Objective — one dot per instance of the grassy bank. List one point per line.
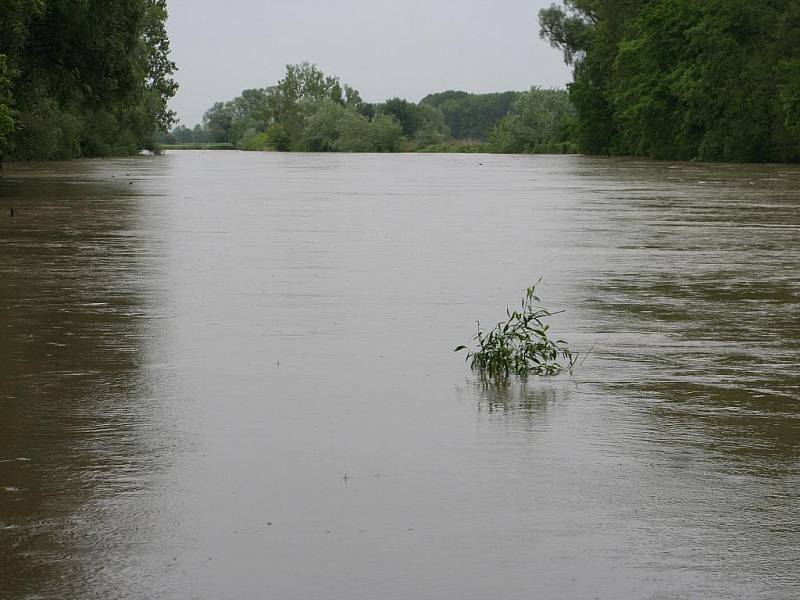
(445, 147)
(454, 146)
(198, 147)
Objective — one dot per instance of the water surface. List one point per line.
(229, 375)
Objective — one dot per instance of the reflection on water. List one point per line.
(513, 396)
(521, 398)
(75, 384)
(197, 348)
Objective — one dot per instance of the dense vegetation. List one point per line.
(668, 79)
(471, 116)
(310, 111)
(539, 121)
(83, 77)
(683, 79)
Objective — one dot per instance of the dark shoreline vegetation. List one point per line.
(705, 80)
(696, 80)
(310, 111)
(197, 147)
(81, 79)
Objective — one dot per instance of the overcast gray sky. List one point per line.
(383, 48)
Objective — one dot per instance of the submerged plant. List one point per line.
(520, 345)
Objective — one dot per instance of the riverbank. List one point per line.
(225, 146)
(447, 147)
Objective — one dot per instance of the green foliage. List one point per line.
(45, 132)
(229, 122)
(382, 134)
(520, 345)
(406, 113)
(470, 116)
(683, 79)
(78, 79)
(6, 113)
(454, 147)
(431, 129)
(321, 130)
(217, 122)
(159, 85)
(310, 111)
(199, 147)
(540, 121)
(333, 127)
(278, 137)
(306, 81)
(294, 97)
(254, 140)
(179, 135)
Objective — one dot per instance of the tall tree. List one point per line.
(84, 77)
(471, 116)
(683, 79)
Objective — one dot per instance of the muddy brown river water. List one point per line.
(230, 375)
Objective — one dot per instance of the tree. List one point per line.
(540, 121)
(322, 127)
(159, 84)
(83, 78)
(6, 114)
(302, 86)
(432, 128)
(359, 134)
(587, 32)
(471, 116)
(199, 135)
(406, 113)
(332, 127)
(683, 79)
(250, 112)
(217, 121)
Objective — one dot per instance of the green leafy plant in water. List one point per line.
(520, 345)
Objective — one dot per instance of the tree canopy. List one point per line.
(309, 110)
(540, 121)
(683, 79)
(471, 116)
(83, 77)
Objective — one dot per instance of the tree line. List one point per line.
(666, 79)
(308, 110)
(683, 79)
(83, 77)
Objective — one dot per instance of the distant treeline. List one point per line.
(310, 111)
(84, 78)
(683, 79)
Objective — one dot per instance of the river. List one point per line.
(230, 375)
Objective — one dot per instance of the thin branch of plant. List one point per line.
(521, 344)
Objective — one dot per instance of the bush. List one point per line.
(455, 147)
(45, 132)
(354, 136)
(278, 137)
(332, 127)
(385, 133)
(429, 137)
(254, 140)
(540, 121)
(322, 127)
